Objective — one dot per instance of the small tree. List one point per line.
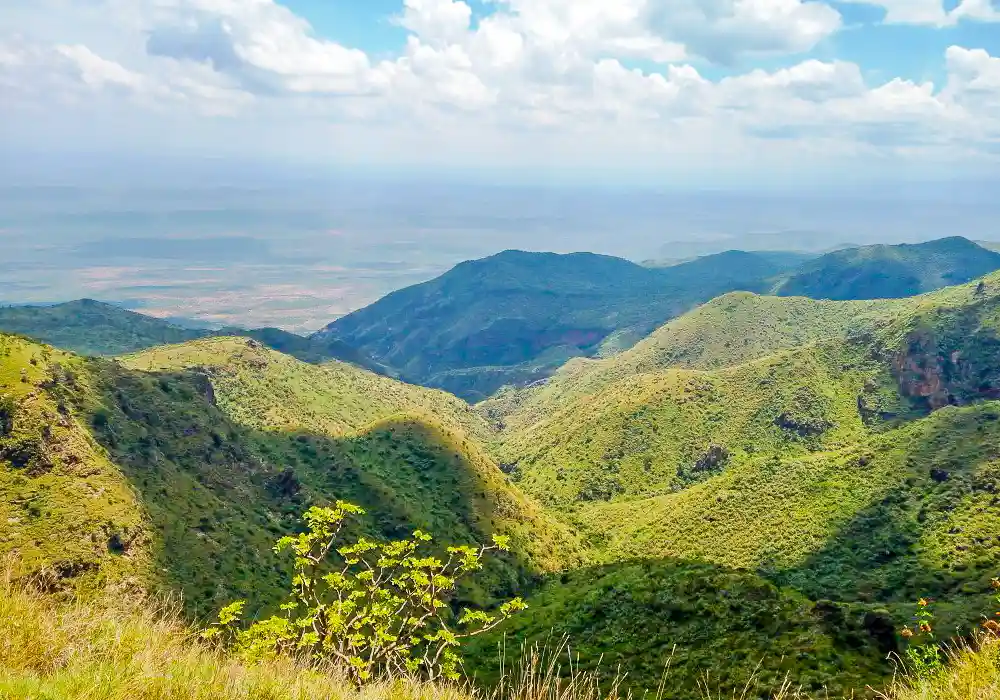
(377, 609)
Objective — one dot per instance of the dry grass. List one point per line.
(973, 673)
(140, 650)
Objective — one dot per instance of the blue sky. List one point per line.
(672, 90)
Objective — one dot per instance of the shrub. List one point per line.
(376, 609)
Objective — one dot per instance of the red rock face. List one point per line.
(922, 376)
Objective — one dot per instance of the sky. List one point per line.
(715, 92)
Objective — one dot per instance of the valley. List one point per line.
(693, 464)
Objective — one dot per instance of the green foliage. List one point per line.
(183, 480)
(923, 654)
(675, 626)
(376, 609)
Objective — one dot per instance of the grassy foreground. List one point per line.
(121, 649)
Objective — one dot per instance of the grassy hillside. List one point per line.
(729, 330)
(192, 477)
(131, 648)
(847, 451)
(514, 317)
(883, 272)
(67, 509)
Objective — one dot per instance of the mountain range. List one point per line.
(763, 483)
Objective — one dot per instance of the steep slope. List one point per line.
(883, 272)
(515, 316)
(729, 330)
(188, 479)
(67, 512)
(860, 468)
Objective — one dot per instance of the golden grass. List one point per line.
(136, 649)
(973, 673)
(140, 650)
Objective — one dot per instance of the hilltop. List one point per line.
(94, 328)
(89, 327)
(516, 316)
(887, 272)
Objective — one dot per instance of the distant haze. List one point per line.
(299, 254)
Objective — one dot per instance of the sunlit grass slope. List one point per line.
(858, 467)
(186, 470)
(64, 506)
(127, 649)
(973, 674)
(265, 389)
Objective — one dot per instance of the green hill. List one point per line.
(516, 316)
(183, 475)
(764, 480)
(855, 462)
(89, 327)
(888, 272)
(684, 629)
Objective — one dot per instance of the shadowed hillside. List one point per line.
(516, 316)
(190, 483)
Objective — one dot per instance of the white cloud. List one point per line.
(933, 12)
(535, 79)
(723, 30)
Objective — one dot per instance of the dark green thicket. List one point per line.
(711, 624)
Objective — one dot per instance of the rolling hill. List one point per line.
(514, 317)
(889, 272)
(763, 480)
(182, 474)
(854, 462)
(89, 327)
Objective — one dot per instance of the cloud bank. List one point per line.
(590, 83)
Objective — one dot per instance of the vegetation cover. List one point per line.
(89, 327)
(766, 480)
(188, 479)
(516, 317)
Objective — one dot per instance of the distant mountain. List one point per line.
(89, 327)
(888, 272)
(516, 316)
(781, 259)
